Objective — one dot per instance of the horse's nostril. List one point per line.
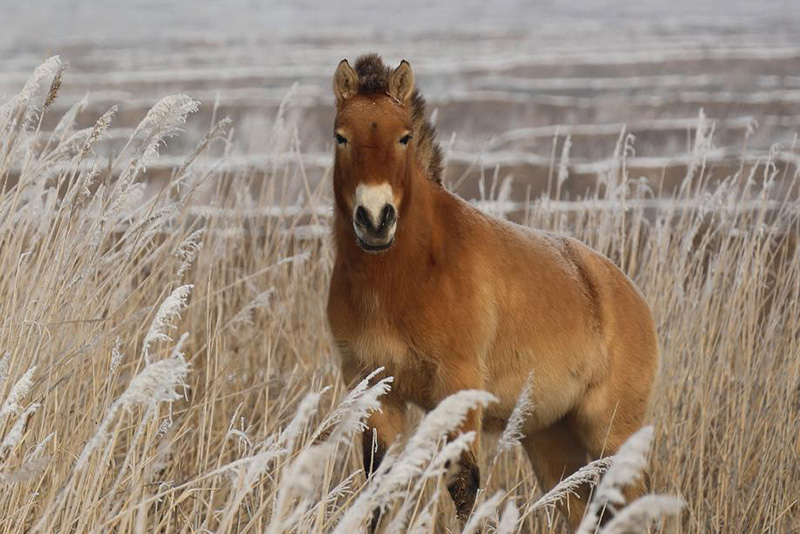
(362, 217)
(385, 219)
(388, 216)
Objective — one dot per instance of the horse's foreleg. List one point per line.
(382, 426)
(458, 375)
(463, 486)
(382, 429)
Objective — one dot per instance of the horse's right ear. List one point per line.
(345, 82)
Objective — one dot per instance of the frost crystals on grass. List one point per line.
(626, 469)
(522, 410)
(397, 472)
(14, 436)
(188, 250)
(18, 392)
(158, 382)
(170, 309)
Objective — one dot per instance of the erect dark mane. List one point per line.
(373, 77)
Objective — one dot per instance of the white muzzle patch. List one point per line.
(374, 199)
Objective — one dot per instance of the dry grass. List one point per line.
(115, 420)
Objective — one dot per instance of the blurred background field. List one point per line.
(508, 80)
(662, 134)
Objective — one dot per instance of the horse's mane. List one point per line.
(373, 77)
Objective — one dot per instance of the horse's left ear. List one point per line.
(401, 82)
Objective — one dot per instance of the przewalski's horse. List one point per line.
(446, 298)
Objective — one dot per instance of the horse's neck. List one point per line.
(416, 239)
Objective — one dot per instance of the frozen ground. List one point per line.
(505, 78)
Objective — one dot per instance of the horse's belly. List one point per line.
(555, 388)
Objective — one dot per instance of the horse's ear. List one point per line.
(401, 82)
(345, 82)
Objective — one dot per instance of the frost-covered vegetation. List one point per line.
(165, 366)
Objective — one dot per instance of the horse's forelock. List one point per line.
(373, 75)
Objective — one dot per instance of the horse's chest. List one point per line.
(378, 344)
(385, 339)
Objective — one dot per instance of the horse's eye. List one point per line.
(342, 140)
(405, 139)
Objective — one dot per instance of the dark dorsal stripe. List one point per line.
(373, 77)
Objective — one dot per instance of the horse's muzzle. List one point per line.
(375, 231)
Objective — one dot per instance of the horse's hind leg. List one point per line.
(615, 406)
(556, 453)
(607, 417)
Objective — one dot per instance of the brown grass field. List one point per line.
(166, 365)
